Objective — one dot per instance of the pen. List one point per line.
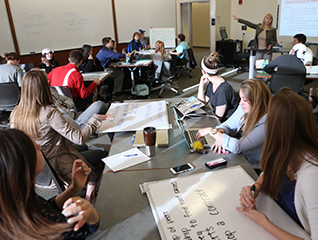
(133, 139)
(130, 155)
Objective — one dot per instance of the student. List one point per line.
(302, 52)
(106, 56)
(114, 48)
(70, 76)
(219, 93)
(183, 45)
(90, 63)
(11, 72)
(265, 36)
(160, 56)
(247, 122)
(135, 44)
(37, 116)
(289, 164)
(144, 40)
(47, 60)
(24, 215)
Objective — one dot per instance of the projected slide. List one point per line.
(299, 16)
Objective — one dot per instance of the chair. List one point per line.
(65, 91)
(184, 66)
(315, 61)
(47, 183)
(9, 98)
(166, 76)
(245, 56)
(294, 82)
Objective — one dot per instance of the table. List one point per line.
(309, 77)
(123, 210)
(132, 67)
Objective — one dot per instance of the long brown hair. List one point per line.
(259, 95)
(160, 47)
(291, 132)
(35, 93)
(19, 212)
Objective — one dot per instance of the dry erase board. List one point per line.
(167, 35)
(6, 41)
(143, 14)
(203, 206)
(60, 24)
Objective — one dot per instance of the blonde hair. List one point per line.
(263, 24)
(160, 47)
(35, 93)
(259, 95)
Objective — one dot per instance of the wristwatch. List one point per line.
(213, 131)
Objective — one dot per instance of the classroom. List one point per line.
(254, 178)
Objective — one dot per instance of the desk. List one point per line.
(266, 75)
(123, 210)
(132, 67)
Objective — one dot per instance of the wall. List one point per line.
(201, 24)
(223, 17)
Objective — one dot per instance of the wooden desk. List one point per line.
(123, 210)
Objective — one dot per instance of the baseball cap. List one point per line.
(141, 31)
(46, 50)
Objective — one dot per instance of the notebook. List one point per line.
(189, 134)
(187, 106)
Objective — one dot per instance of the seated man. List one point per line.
(183, 45)
(144, 40)
(70, 76)
(106, 56)
(135, 43)
(299, 49)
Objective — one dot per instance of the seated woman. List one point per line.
(90, 63)
(37, 116)
(24, 215)
(247, 122)
(11, 72)
(289, 164)
(47, 61)
(160, 56)
(135, 44)
(219, 93)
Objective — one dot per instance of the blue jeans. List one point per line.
(97, 107)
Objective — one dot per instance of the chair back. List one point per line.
(65, 91)
(9, 95)
(295, 82)
(192, 60)
(168, 68)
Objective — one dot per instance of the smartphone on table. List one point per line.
(182, 168)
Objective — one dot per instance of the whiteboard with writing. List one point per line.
(203, 206)
(135, 116)
(167, 35)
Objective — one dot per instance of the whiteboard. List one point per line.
(6, 41)
(143, 14)
(202, 206)
(167, 35)
(135, 116)
(59, 24)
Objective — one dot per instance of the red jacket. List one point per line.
(75, 81)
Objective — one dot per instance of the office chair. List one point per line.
(294, 82)
(65, 91)
(184, 65)
(166, 76)
(9, 98)
(245, 56)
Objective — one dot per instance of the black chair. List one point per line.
(65, 91)
(294, 82)
(245, 56)
(166, 76)
(9, 98)
(315, 61)
(183, 65)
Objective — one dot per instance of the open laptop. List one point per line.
(189, 134)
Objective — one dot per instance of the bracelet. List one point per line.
(257, 183)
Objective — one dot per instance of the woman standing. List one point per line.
(247, 123)
(219, 93)
(265, 36)
(289, 164)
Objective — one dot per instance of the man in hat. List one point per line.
(299, 49)
(144, 40)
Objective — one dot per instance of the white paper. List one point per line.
(125, 159)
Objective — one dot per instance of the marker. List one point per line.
(133, 139)
(253, 192)
(195, 105)
(130, 155)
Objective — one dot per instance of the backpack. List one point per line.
(140, 91)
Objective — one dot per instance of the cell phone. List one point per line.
(182, 168)
(216, 163)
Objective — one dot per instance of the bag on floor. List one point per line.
(140, 91)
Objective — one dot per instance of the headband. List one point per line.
(208, 70)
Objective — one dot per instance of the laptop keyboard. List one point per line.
(192, 134)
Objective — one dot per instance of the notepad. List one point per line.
(162, 138)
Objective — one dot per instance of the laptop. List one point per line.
(189, 134)
(187, 106)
